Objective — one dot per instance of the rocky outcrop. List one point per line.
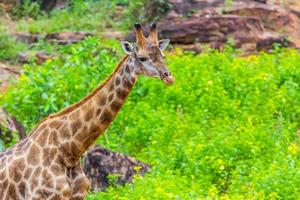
(64, 38)
(100, 164)
(251, 25)
(273, 18)
(28, 38)
(39, 57)
(61, 38)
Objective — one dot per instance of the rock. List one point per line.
(112, 35)
(196, 48)
(209, 29)
(43, 57)
(64, 38)
(100, 163)
(40, 57)
(267, 41)
(183, 7)
(27, 37)
(248, 23)
(274, 18)
(48, 5)
(261, 1)
(23, 57)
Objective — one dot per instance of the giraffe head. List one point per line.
(147, 55)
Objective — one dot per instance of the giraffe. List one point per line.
(46, 164)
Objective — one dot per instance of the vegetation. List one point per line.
(9, 47)
(93, 16)
(227, 129)
(90, 16)
(80, 16)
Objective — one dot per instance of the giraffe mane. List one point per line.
(84, 100)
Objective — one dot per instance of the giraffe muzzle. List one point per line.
(168, 78)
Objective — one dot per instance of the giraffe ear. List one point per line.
(127, 47)
(162, 44)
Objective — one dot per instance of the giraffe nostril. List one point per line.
(166, 74)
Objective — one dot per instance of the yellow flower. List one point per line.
(213, 191)
(221, 164)
(273, 195)
(137, 168)
(225, 197)
(293, 149)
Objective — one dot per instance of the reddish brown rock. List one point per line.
(39, 57)
(23, 57)
(249, 24)
(28, 37)
(274, 18)
(100, 163)
(43, 57)
(267, 40)
(67, 37)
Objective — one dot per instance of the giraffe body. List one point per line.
(23, 178)
(46, 165)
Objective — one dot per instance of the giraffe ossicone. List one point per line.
(45, 165)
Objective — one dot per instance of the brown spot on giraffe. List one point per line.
(111, 97)
(122, 94)
(98, 111)
(102, 100)
(33, 155)
(111, 87)
(127, 69)
(41, 140)
(89, 115)
(106, 117)
(28, 173)
(21, 188)
(12, 191)
(81, 135)
(65, 132)
(53, 138)
(117, 81)
(49, 155)
(75, 126)
(127, 84)
(115, 106)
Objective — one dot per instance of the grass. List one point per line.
(82, 16)
(9, 47)
(227, 129)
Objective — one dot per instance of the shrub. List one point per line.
(26, 9)
(80, 15)
(227, 129)
(9, 47)
(144, 11)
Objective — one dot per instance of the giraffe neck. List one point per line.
(77, 127)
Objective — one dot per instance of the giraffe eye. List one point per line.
(143, 59)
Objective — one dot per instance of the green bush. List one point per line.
(80, 15)
(227, 129)
(26, 9)
(92, 16)
(144, 11)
